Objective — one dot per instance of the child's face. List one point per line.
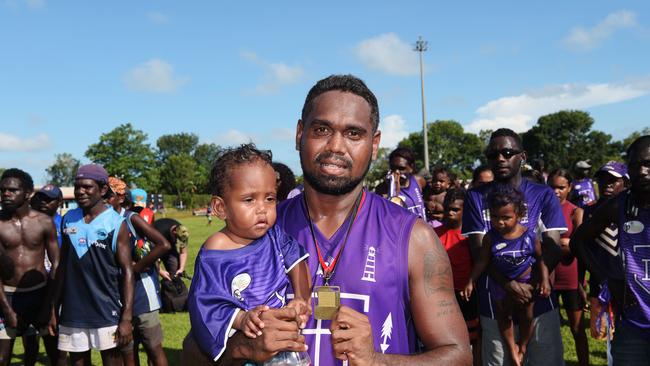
(454, 212)
(249, 201)
(440, 183)
(504, 219)
(561, 187)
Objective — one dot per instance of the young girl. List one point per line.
(245, 268)
(515, 252)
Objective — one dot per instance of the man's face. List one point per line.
(609, 185)
(45, 204)
(582, 173)
(505, 157)
(87, 192)
(639, 169)
(336, 142)
(400, 165)
(12, 194)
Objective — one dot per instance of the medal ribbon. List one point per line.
(328, 270)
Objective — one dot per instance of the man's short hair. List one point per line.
(25, 179)
(344, 83)
(403, 152)
(506, 132)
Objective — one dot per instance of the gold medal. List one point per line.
(328, 300)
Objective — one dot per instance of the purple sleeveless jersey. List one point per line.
(543, 213)
(584, 188)
(372, 273)
(512, 257)
(226, 281)
(634, 242)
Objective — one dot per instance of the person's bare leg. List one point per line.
(476, 351)
(51, 349)
(156, 356)
(504, 320)
(30, 345)
(6, 348)
(114, 357)
(526, 326)
(80, 358)
(579, 336)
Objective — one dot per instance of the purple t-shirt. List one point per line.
(543, 214)
(226, 281)
(372, 273)
(634, 242)
(512, 257)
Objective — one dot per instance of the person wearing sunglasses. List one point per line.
(506, 157)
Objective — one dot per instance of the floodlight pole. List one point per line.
(420, 47)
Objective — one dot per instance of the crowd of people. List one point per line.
(424, 270)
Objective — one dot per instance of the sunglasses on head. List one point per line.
(506, 153)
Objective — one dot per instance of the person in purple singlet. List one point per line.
(516, 253)
(630, 210)
(243, 270)
(583, 192)
(408, 186)
(396, 287)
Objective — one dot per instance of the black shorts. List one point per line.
(470, 314)
(571, 299)
(27, 305)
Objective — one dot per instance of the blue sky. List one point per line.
(72, 70)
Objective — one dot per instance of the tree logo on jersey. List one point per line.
(369, 268)
(239, 284)
(386, 331)
(633, 227)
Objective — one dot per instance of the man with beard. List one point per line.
(505, 157)
(406, 185)
(392, 274)
(25, 236)
(630, 211)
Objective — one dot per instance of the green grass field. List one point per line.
(176, 326)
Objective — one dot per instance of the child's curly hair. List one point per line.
(230, 158)
(505, 194)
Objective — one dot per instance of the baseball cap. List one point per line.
(51, 191)
(615, 168)
(117, 185)
(183, 234)
(93, 171)
(583, 164)
(139, 197)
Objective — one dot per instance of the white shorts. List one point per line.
(83, 339)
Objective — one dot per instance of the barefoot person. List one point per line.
(25, 236)
(95, 278)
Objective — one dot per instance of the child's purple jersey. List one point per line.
(512, 257)
(226, 281)
(543, 213)
(372, 272)
(412, 196)
(634, 243)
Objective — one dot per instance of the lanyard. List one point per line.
(328, 270)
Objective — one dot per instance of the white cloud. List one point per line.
(14, 143)
(276, 75)
(582, 38)
(393, 130)
(522, 111)
(283, 134)
(157, 17)
(234, 137)
(389, 54)
(156, 76)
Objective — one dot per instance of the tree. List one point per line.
(125, 153)
(176, 144)
(62, 172)
(178, 175)
(563, 138)
(205, 155)
(378, 168)
(449, 146)
(633, 136)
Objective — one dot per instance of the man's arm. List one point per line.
(161, 245)
(587, 233)
(438, 320)
(183, 260)
(125, 329)
(51, 245)
(7, 265)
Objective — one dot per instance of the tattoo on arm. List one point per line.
(437, 273)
